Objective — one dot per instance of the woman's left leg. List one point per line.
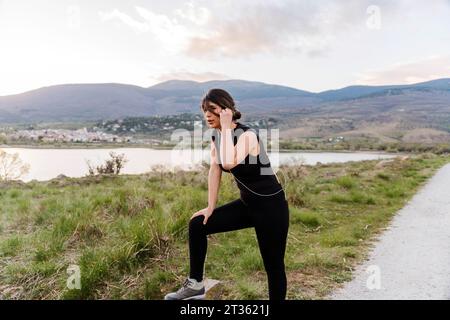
(271, 226)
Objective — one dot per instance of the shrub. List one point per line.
(111, 166)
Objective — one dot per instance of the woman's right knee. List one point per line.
(196, 224)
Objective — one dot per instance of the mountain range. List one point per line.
(421, 105)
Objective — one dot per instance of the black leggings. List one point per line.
(270, 218)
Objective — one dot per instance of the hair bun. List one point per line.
(237, 114)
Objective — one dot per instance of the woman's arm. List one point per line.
(214, 177)
(231, 155)
(246, 144)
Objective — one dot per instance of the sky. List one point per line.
(310, 45)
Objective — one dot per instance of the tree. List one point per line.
(11, 166)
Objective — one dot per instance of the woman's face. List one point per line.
(211, 119)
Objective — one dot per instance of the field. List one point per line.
(128, 233)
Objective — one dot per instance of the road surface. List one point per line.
(411, 260)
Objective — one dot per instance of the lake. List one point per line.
(46, 164)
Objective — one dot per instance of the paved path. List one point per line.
(412, 257)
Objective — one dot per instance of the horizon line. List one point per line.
(203, 82)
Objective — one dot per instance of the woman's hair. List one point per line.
(223, 99)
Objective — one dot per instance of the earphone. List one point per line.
(259, 194)
(254, 192)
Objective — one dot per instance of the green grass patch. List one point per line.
(128, 234)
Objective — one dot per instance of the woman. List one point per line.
(235, 148)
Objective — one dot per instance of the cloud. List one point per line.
(172, 35)
(429, 68)
(282, 27)
(186, 75)
(245, 28)
(258, 28)
(126, 19)
(193, 13)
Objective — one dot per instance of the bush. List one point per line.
(111, 166)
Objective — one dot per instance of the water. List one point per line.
(46, 164)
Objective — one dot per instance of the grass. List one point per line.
(365, 144)
(128, 234)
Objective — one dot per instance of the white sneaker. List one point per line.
(191, 290)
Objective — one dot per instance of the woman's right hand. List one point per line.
(207, 212)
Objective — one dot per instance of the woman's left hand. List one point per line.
(226, 117)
